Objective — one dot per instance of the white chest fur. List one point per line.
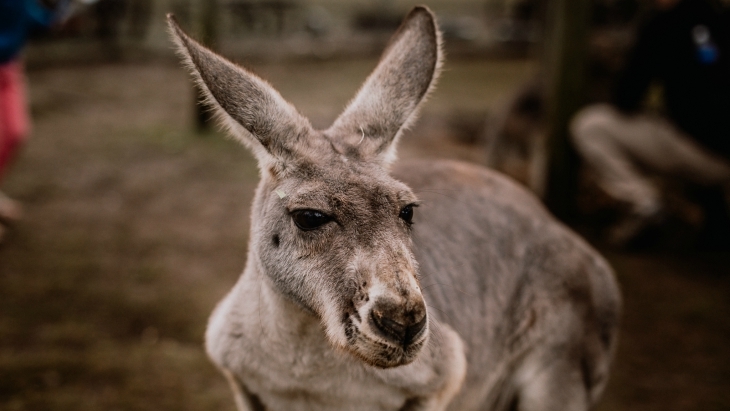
(281, 356)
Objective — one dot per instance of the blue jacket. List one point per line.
(18, 18)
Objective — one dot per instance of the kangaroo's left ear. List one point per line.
(251, 109)
(388, 101)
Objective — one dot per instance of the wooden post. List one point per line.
(565, 53)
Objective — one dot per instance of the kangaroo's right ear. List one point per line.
(388, 101)
(248, 105)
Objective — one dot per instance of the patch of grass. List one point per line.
(133, 230)
(144, 375)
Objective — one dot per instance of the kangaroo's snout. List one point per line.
(390, 326)
(397, 323)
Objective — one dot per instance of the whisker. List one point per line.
(449, 285)
(437, 338)
(441, 311)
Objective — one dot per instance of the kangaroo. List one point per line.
(371, 285)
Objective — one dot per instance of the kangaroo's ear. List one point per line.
(388, 101)
(250, 108)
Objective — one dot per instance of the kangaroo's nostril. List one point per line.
(414, 330)
(403, 333)
(392, 328)
(389, 328)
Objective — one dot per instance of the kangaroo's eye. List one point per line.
(406, 213)
(309, 219)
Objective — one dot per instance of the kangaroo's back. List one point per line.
(510, 279)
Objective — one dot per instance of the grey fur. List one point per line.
(520, 311)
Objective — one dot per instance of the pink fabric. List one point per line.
(14, 122)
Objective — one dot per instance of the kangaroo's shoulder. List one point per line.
(494, 213)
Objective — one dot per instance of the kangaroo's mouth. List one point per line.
(379, 352)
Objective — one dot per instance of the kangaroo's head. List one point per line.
(331, 229)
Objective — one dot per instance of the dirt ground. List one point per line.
(135, 226)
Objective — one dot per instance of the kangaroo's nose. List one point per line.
(398, 324)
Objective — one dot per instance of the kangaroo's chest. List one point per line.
(291, 366)
(306, 376)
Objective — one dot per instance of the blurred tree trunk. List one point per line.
(206, 17)
(564, 54)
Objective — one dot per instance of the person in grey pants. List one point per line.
(685, 47)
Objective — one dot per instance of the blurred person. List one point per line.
(684, 46)
(18, 19)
